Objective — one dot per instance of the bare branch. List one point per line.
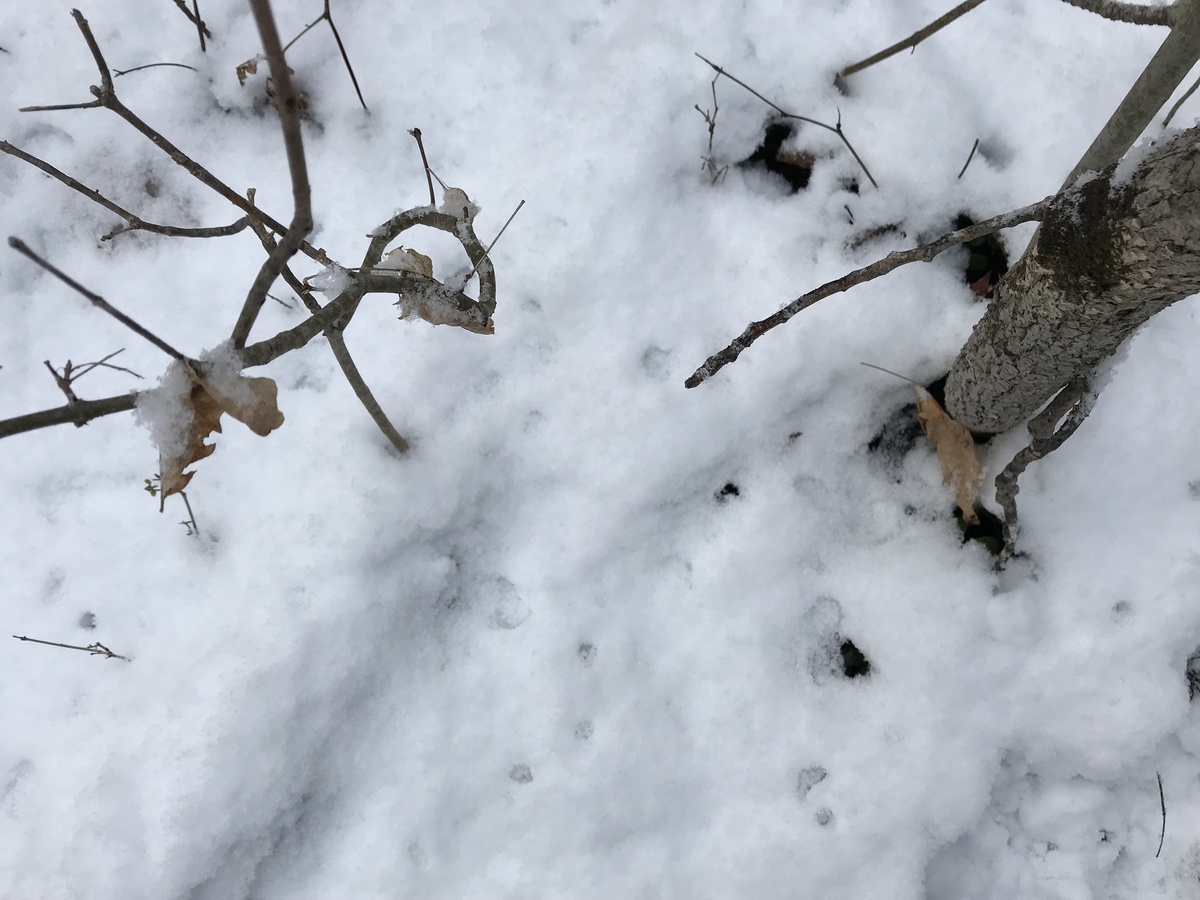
(132, 222)
(96, 300)
(416, 133)
(1180, 102)
(488, 250)
(200, 30)
(346, 59)
(327, 16)
(106, 97)
(288, 104)
(893, 260)
(82, 412)
(194, 18)
(1131, 13)
(117, 73)
(970, 156)
(913, 39)
(836, 129)
(1162, 799)
(94, 649)
(1166, 70)
(71, 373)
(1074, 401)
(337, 343)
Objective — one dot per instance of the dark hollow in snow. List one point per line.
(854, 664)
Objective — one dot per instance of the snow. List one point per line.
(549, 653)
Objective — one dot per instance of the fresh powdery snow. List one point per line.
(595, 635)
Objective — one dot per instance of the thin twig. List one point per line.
(327, 16)
(487, 251)
(288, 104)
(132, 222)
(117, 73)
(82, 412)
(970, 156)
(96, 300)
(72, 373)
(913, 39)
(1162, 800)
(893, 260)
(79, 371)
(1131, 13)
(194, 19)
(416, 133)
(345, 58)
(200, 29)
(836, 129)
(94, 649)
(1180, 102)
(190, 524)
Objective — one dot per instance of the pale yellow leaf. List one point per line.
(955, 452)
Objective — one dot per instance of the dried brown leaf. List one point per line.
(955, 451)
(206, 419)
(252, 401)
(255, 404)
(249, 67)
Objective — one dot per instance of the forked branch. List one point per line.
(106, 97)
(836, 129)
(132, 222)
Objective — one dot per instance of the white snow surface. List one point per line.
(547, 653)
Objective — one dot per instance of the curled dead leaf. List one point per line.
(249, 67)
(955, 452)
(252, 401)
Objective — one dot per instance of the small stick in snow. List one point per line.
(836, 129)
(94, 649)
(416, 133)
(96, 300)
(716, 173)
(970, 156)
(1163, 802)
(912, 40)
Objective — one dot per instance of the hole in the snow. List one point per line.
(987, 260)
(729, 490)
(854, 664)
(793, 166)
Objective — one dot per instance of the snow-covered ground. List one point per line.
(550, 653)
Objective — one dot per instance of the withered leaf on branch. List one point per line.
(249, 67)
(955, 452)
(252, 401)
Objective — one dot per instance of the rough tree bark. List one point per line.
(1127, 250)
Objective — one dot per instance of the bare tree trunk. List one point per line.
(1129, 248)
